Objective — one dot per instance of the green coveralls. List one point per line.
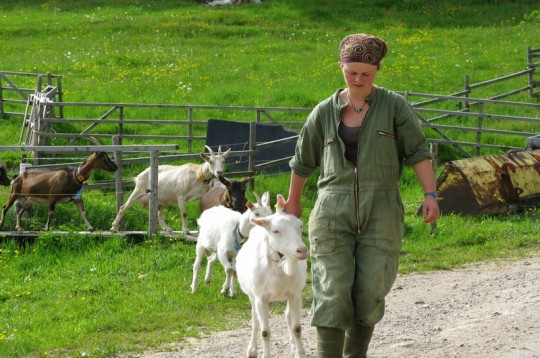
(356, 226)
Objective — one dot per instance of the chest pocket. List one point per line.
(332, 157)
(387, 151)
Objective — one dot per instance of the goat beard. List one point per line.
(287, 265)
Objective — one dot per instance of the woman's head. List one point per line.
(364, 48)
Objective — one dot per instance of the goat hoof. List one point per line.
(91, 229)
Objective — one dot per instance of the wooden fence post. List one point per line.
(119, 190)
(153, 206)
(467, 88)
(190, 130)
(252, 142)
(1, 99)
(434, 150)
(480, 125)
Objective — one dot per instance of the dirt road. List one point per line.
(487, 310)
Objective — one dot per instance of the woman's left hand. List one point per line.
(430, 210)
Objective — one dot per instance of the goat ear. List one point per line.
(245, 181)
(266, 199)
(280, 203)
(205, 157)
(264, 222)
(224, 180)
(258, 198)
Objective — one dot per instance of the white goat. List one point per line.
(222, 232)
(176, 185)
(272, 267)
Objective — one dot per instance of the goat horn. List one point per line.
(93, 140)
(258, 198)
(219, 150)
(210, 150)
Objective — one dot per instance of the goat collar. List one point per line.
(79, 179)
(280, 256)
(202, 178)
(239, 239)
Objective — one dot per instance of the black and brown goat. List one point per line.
(4, 180)
(49, 187)
(229, 193)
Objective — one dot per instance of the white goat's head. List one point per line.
(284, 232)
(216, 161)
(261, 208)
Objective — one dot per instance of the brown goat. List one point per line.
(229, 193)
(49, 187)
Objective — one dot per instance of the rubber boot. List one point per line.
(330, 342)
(357, 340)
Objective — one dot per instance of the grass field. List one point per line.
(96, 296)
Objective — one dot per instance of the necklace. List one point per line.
(357, 110)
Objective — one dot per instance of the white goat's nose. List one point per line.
(302, 252)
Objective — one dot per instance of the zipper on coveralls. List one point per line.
(356, 203)
(356, 192)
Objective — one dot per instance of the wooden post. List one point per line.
(467, 87)
(2, 113)
(153, 206)
(119, 190)
(480, 125)
(434, 151)
(190, 130)
(252, 142)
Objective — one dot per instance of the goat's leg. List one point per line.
(6, 207)
(161, 220)
(261, 306)
(200, 251)
(251, 351)
(80, 206)
(292, 312)
(183, 213)
(50, 213)
(136, 194)
(229, 273)
(211, 261)
(19, 215)
(232, 285)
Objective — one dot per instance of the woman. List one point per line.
(359, 138)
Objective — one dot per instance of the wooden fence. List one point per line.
(468, 114)
(51, 127)
(117, 150)
(16, 87)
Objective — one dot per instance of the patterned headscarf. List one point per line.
(362, 48)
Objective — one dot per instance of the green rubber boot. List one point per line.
(330, 342)
(357, 340)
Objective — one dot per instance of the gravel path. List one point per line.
(491, 309)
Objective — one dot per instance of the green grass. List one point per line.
(96, 296)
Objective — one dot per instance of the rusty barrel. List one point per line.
(491, 184)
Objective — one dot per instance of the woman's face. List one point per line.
(359, 75)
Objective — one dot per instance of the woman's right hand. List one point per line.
(294, 208)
